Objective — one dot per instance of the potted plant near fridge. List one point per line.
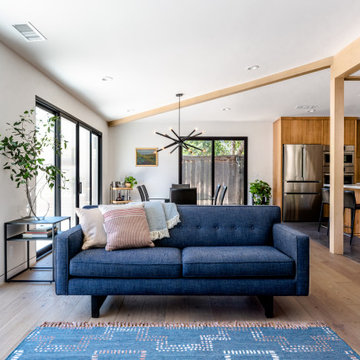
(261, 192)
(22, 149)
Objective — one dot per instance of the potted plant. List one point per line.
(261, 192)
(23, 147)
(130, 181)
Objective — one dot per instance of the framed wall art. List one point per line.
(146, 157)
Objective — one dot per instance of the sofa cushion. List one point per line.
(236, 261)
(130, 263)
(223, 226)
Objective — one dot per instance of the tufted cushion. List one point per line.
(223, 226)
(132, 263)
(236, 261)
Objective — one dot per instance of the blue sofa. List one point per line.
(215, 250)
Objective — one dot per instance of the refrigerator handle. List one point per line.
(302, 162)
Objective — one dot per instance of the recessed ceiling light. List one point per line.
(307, 107)
(253, 67)
(226, 109)
(130, 110)
(29, 32)
(107, 78)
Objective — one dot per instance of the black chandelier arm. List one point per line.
(176, 134)
(194, 147)
(165, 135)
(176, 147)
(167, 146)
(190, 136)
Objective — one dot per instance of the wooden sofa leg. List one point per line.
(268, 304)
(96, 302)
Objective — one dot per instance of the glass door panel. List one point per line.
(68, 166)
(84, 167)
(196, 169)
(45, 197)
(230, 169)
(95, 169)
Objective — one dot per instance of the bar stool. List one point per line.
(325, 199)
(350, 203)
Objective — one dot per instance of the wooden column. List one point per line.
(336, 165)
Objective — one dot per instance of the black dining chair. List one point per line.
(222, 195)
(144, 195)
(350, 203)
(184, 196)
(214, 199)
(180, 186)
(325, 199)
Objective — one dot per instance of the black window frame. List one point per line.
(213, 139)
(47, 106)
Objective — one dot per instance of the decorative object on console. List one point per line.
(261, 192)
(146, 157)
(178, 141)
(23, 150)
(198, 340)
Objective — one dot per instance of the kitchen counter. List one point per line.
(348, 186)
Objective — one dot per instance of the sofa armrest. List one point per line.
(296, 245)
(67, 245)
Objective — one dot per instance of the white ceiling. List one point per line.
(156, 48)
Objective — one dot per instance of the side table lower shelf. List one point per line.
(51, 221)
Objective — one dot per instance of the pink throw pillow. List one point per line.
(126, 229)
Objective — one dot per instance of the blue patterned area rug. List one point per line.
(228, 341)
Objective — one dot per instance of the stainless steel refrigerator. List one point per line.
(302, 182)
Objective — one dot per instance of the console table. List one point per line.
(29, 222)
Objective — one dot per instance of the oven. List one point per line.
(349, 156)
(348, 178)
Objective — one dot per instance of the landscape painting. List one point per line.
(146, 157)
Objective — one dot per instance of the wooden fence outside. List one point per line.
(229, 170)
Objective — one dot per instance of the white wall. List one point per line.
(126, 137)
(19, 84)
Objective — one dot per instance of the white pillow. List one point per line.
(92, 224)
(105, 208)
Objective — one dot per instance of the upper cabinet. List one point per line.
(313, 130)
(349, 131)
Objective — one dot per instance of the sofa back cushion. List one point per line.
(223, 226)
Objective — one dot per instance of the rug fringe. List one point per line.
(241, 324)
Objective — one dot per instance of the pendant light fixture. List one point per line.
(178, 141)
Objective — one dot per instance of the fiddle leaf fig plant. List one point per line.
(261, 192)
(23, 147)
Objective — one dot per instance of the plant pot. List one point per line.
(128, 185)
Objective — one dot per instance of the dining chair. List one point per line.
(180, 186)
(144, 195)
(184, 196)
(222, 195)
(214, 199)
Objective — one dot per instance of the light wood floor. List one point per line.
(334, 298)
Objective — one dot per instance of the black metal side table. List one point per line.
(28, 222)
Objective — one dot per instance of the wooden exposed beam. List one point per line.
(336, 240)
(267, 80)
(352, 78)
(347, 61)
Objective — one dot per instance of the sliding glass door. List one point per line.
(218, 161)
(80, 162)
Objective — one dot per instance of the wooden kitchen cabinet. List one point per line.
(349, 131)
(309, 130)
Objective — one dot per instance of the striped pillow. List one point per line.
(127, 228)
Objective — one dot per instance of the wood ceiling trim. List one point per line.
(352, 78)
(267, 80)
(347, 61)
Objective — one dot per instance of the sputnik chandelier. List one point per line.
(178, 141)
